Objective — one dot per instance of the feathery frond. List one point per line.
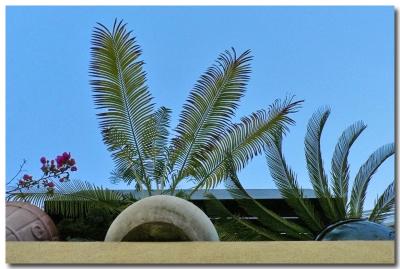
(121, 94)
(231, 230)
(363, 177)
(244, 140)
(159, 145)
(315, 167)
(340, 167)
(215, 207)
(210, 107)
(384, 205)
(265, 216)
(285, 180)
(73, 198)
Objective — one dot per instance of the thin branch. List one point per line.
(19, 172)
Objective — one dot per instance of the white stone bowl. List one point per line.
(172, 212)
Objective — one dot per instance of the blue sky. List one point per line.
(342, 57)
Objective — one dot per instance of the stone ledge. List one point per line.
(308, 252)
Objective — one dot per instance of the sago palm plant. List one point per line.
(335, 203)
(138, 135)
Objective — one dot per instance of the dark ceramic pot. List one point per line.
(356, 229)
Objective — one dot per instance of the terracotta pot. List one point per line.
(26, 222)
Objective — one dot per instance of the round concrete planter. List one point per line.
(162, 218)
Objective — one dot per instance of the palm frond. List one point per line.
(121, 94)
(286, 182)
(73, 198)
(384, 205)
(243, 141)
(232, 230)
(265, 216)
(340, 167)
(315, 166)
(215, 208)
(158, 137)
(129, 170)
(210, 107)
(363, 177)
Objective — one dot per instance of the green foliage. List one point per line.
(234, 230)
(91, 227)
(233, 227)
(340, 167)
(334, 204)
(286, 181)
(315, 165)
(209, 108)
(75, 198)
(384, 205)
(228, 224)
(364, 176)
(244, 140)
(138, 137)
(121, 93)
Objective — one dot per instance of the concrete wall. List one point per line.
(333, 252)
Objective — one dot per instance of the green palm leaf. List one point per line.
(159, 145)
(243, 141)
(265, 216)
(315, 165)
(232, 230)
(384, 205)
(216, 208)
(126, 169)
(285, 180)
(363, 177)
(209, 108)
(74, 198)
(340, 167)
(120, 92)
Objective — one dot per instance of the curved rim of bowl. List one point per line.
(330, 227)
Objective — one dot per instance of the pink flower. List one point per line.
(43, 160)
(60, 161)
(66, 156)
(62, 179)
(26, 177)
(50, 184)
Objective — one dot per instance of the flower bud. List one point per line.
(71, 162)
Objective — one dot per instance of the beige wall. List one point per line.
(332, 252)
